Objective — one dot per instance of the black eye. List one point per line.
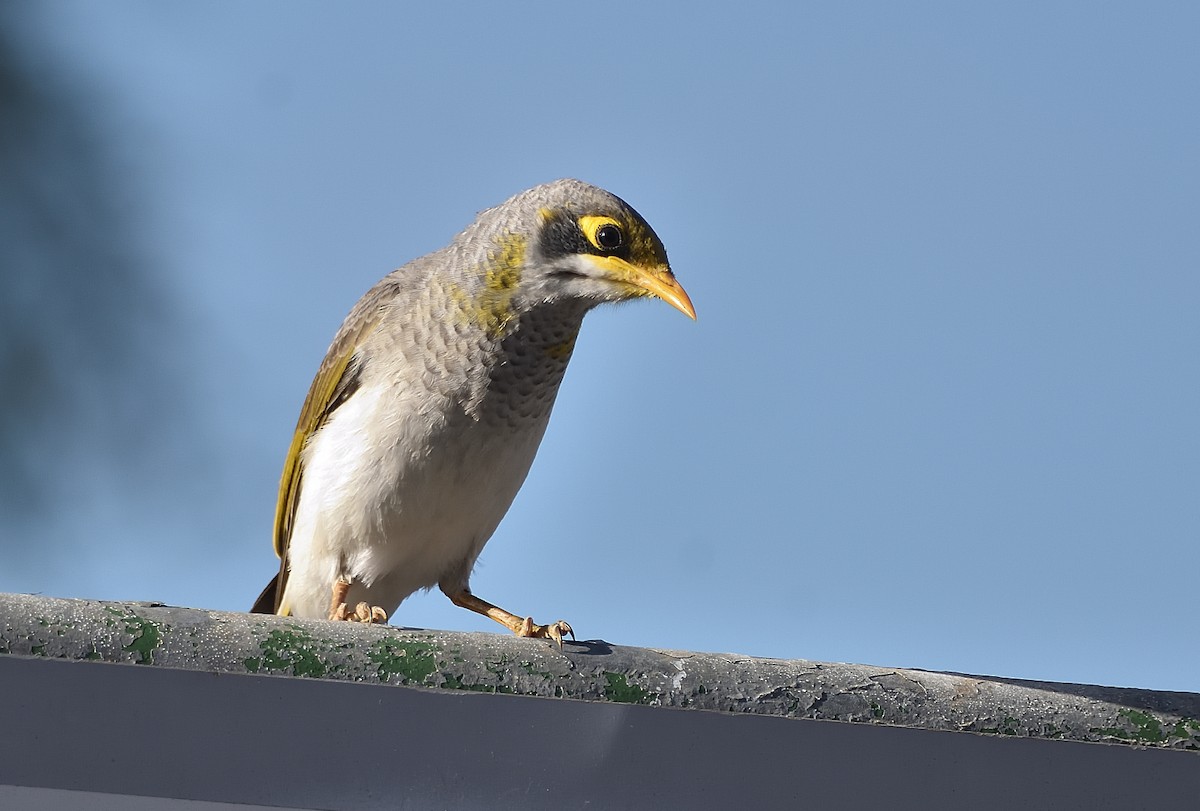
(608, 237)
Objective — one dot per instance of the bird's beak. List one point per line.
(656, 281)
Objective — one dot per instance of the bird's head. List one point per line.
(568, 241)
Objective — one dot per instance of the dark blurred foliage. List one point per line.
(86, 332)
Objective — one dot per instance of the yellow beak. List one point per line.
(657, 281)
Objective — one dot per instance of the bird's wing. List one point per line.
(337, 379)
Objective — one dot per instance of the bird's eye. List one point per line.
(608, 237)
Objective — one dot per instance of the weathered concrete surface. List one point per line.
(213, 641)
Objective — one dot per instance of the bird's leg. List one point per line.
(337, 605)
(521, 627)
(363, 612)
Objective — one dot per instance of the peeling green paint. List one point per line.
(1182, 726)
(112, 612)
(500, 667)
(292, 651)
(620, 690)
(453, 682)
(1009, 726)
(1146, 728)
(532, 671)
(413, 662)
(146, 637)
(1188, 731)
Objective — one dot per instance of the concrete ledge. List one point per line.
(124, 705)
(220, 642)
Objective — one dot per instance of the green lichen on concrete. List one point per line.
(413, 662)
(294, 652)
(619, 689)
(146, 637)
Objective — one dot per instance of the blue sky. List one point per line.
(941, 407)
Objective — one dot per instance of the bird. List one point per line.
(430, 404)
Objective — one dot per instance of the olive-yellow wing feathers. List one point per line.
(337, 379)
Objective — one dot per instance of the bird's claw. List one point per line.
(364, 612)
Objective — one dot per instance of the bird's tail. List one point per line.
(266, 602)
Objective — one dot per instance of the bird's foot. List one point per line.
(363, 612)
(555, 630)
(521, 627)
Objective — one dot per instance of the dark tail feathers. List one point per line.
(266, 602)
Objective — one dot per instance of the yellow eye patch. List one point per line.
(604, 233)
